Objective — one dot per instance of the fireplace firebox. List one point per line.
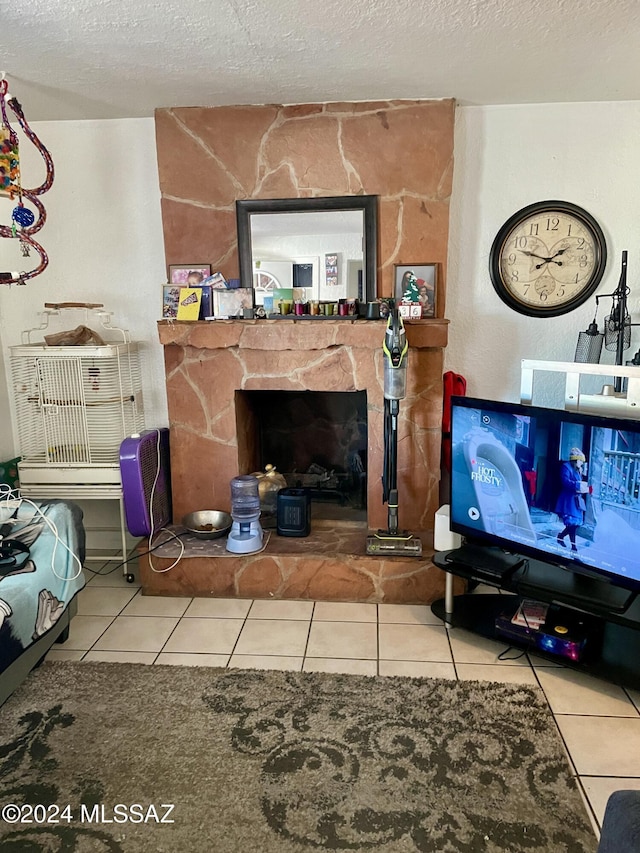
(316, 439)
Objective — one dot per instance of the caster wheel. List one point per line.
(129, 578)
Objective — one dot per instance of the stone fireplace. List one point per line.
(207, 364)
(401, 152)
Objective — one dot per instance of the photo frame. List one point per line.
(170, 299)
(188, 275)
(417, 283)
(228, 304)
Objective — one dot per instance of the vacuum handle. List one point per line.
(395, 349)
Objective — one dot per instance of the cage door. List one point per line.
(63, 410)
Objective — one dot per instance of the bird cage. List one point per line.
(74, 405)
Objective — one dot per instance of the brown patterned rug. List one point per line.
(134, 758)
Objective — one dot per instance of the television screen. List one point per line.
(558, 486)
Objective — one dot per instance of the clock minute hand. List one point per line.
(559, 252)
(533, 255)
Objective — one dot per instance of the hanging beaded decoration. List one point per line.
(24, 223)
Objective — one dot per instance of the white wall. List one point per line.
(104, 239)
(507, 157)
(103, 235)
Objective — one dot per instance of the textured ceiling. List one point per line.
(81, 59)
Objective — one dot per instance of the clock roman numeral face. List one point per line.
(547, 260)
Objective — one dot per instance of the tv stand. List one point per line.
(612, 650)
(486, 562)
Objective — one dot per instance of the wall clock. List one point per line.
(548, 258)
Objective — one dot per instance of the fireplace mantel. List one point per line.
(207, 362)
(296, 334)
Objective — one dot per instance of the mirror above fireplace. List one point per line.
(327, 246)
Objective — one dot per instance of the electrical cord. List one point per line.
(153, 531)
(503, 655)
(141, 554)
(152, 520)
(530, 643)
(8, 496)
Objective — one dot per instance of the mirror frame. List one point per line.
(368, 204)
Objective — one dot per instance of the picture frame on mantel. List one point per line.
(170, 299)
(417, 283)
(188, 275)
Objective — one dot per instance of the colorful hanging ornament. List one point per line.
(9, 159)
(24, 222)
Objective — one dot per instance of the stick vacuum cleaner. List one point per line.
(393, 541)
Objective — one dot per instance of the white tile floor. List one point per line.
(599, 722)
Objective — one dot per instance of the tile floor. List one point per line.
(598, 722)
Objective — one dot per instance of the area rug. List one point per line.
(126, 758)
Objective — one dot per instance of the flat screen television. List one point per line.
(560, 487)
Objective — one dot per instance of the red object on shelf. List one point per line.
(454, 385)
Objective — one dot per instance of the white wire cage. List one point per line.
(76, 408)
(72, 408)
(74, 405)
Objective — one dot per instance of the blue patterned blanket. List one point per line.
(37, 586)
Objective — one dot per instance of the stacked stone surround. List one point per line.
(400, 151)
(206, 363)
(329, 565)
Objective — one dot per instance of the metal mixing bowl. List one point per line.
(208, 523)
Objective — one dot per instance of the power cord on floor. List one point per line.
(503, 655)
(141, 554)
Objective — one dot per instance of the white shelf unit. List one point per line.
(620, 404)
(73, 406)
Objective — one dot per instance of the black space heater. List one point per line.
(293, 512)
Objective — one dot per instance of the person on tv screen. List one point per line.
(570, 505)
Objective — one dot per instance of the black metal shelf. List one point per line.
(612, 650)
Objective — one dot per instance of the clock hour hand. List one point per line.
(533, 255)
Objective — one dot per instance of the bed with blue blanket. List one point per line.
(43, 549)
